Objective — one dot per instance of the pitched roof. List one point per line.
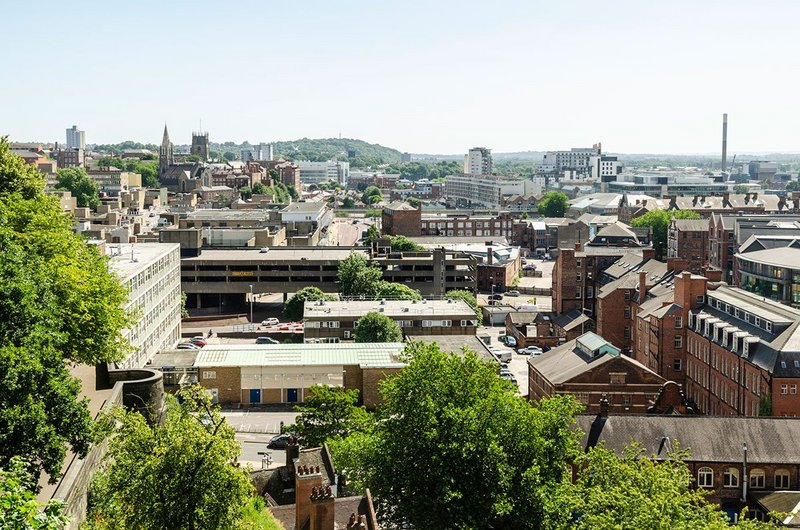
(707, 438)
(570, 320)
(691, 225)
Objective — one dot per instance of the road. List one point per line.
(254, 430)
(344, 233)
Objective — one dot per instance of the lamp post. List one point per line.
(251, 303)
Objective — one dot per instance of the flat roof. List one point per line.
(143, 254)
(279, 253)
(298, 207)
(393, 308)
(214, 215)
(366, 355)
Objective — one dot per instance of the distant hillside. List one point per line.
(321, 149)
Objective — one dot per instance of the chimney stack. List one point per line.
(603, 407)
(642, 286)
(489, 255)
(357, 522)
(724, 142)
(292, 452)
(306, 480)
(322, 509)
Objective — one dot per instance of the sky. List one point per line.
(421, 76)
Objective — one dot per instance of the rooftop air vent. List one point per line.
(264, 250)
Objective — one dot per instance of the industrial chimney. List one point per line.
(724, 142)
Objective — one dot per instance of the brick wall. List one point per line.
(785, 397)
(227, 381)
(371, 378)
(401, 222)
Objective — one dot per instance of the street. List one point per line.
(254, 430)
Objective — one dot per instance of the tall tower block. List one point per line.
(724, 142)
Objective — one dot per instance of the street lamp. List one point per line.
(251, 303)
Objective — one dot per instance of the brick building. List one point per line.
(401, 219)
(718, 448)
(743, 354)
(533, 329)
(500, 225)
(688, 239)
(590, 368)
(335, 321)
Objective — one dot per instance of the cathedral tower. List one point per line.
(165, 157)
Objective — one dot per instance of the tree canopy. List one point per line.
(181, 475)
(377, 327)
(396, 291)
(468, 297)
(403, 244)
(659, 221)
(59, 302)
(329, 413)
(293, 308)
(77, 181)
(358, 277)
(372, 235)
(454, 446)
(553, 204)
(371, 195)
(19, 509)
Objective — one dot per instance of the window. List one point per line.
(678, 342)
(757, 478)
(582, 397)
(577, 276)
(678, 322)
(578, 291)
(731, 478)
(626, 332)
(705, 477)
(627, 312)
(700, 299)
(626, 400)
(209, 374)
(427, 323)
(617, 378)
(781, 479)
(627, 295)
(793, 389)
(676, 365)
(784, 389)
(467, 323)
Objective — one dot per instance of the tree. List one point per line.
(293, 308)
(19, 509)
(358, 277)
(259, 188)
(413, 201)
(741, 188)
(371, 195)
(377, 327)
(633, 491)
(454, 447)
(468, 297)
(229, 155)
(329, 413)
(348, 202)
(396, 291)
(181, 475)
(246, 192)
(403, 244)
(76, 181)
(793, 185)
(553, 204)
(58, 302)
(659, 221)
(184, 311)
(372, 235)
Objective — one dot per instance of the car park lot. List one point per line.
(518, 364)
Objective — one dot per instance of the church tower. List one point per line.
(165, 157)
(200, 146)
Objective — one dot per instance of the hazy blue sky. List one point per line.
(433, 77)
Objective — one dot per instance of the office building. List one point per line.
(578, 159)
(478, 161)
(319, 172)
(76, 139)
(481, 191)
(151, 273)
(262, 151)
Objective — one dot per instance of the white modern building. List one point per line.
(304, 212)
(478, 161)
(151, 272)
(319, 172)
(260, 151)
(76, 139)
(482, 190)
(577, 158)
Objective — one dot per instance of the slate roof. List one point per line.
(570, 320)
(343, 508)
(692, 225)
(708, 438)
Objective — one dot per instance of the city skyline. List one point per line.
(416, 77)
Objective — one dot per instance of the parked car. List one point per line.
(503, 356)
(270, 322)
(530, 350)
(508, 340)
(188, 346)
(279, 442)
(509, 377)
(512, 293)
(496, 297)
(266, 340)
(529, 267)
(198, 342)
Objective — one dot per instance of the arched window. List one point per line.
(757, 478)
(705, 477)
(731, 477)
(782, 479)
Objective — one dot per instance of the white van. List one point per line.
(527, 307)
(504, 356)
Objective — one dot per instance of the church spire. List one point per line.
(165, 156)
(165, 140)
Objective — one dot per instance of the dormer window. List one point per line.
(769, 325)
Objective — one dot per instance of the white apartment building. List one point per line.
(260, 151)
(605, 168)
(319, 172)
(477, 190)
(478, 161)
(578, 158)
(76, 139)
(152, 274)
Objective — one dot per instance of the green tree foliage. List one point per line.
(454, 446)
(413, 201)
(396, 291)
(633, 491)
(292, 192)
(58, 302)
(372, 235)
(293, 308)
(659, 221)
(468, 297)
(741, 188)
(259, 188)
(179, 476)
(184, 311)
(377, 327)
(371, 195)
(246, 192)
(322, 149)
(403, 244)
(426, 170)
(793, 185)
(329, 413)
(229, 156)
(358, 276)
(148, 169)
(19, 509)
(118, 149)
(371, 214)
(553, 204)
(348, 202)
(76, 181)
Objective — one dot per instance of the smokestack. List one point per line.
(724, 142)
